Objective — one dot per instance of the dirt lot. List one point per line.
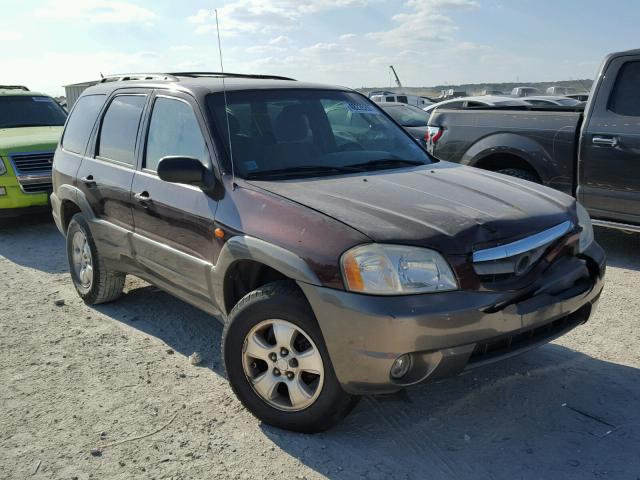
(76, 377)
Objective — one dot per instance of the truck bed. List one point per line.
(545, 138)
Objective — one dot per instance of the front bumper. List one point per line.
(449, 332)
(16, 202)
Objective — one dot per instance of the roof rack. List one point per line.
(228, 74)
(121, 77)
(173, 77)
(14, 87)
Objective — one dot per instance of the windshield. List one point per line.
(30, 111)
(309, 132)
(407, 115)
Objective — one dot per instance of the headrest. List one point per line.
(292, 124)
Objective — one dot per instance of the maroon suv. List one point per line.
(341, 258)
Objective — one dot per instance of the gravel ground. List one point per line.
(76, 378)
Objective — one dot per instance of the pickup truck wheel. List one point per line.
(520, 173)
(277, 362)
(94, 283)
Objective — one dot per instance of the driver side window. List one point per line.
(173, 131)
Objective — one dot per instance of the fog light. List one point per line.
(401, 366)
(3, 191)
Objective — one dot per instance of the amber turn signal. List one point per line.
(219, 233)
(352, 273)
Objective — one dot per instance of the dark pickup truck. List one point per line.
(592, 154)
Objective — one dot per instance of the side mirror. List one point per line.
(187, 170)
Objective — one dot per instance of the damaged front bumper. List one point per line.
(448, 332)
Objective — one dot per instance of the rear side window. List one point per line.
(81, 122)
(402, 99)
(625, 97)
(120, 128)
(173, 131)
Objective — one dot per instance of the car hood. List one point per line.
(29, 139)
(444, 206)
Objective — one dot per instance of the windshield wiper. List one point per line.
(301, 170)
(384, 163)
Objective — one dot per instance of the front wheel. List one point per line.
(277, 362)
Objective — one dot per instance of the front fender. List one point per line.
(244, 247)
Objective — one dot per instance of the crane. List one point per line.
(393, 70)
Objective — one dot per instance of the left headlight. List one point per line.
(3, 169)
(584, 220)
(396, 270)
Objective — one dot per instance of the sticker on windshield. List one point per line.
(250, 165)
(42, 99)
(362, 108)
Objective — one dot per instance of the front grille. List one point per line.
(32, 163)
(33, 171)
(496, 348)
(516, 259)
(37, 187)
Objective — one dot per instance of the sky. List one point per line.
(50, 43)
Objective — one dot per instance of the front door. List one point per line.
(609, 167)
(174, 223)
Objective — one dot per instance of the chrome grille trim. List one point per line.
(524, 245)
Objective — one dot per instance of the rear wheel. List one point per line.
(520, 173)
(93, 281)
(277, 362)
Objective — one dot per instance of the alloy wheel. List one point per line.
(283, 365)
(82, 260)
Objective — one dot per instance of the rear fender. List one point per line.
(514, 145)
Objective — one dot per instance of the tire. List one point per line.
(105, 285)
(282, 302)
(520, 173)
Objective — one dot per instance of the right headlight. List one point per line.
(380, 269)
(3, 169)
(584, 220)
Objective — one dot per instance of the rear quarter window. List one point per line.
(83, 118)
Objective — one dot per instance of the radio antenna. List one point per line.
(226, 107)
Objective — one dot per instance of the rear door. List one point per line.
(174, 223)
(107, 170)
(609, 162)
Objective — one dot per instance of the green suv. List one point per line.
(30, 127)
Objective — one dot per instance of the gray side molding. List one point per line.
(250, 248)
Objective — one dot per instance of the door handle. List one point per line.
(142, 197)
(88, 181)
(606, 141)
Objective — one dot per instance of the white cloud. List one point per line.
(95, 11)
(263, 16)
(10, 36)
(348, 36)
(280, 40)
(74, 68)
(425, 23)
(321, 48)
(262, 49)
